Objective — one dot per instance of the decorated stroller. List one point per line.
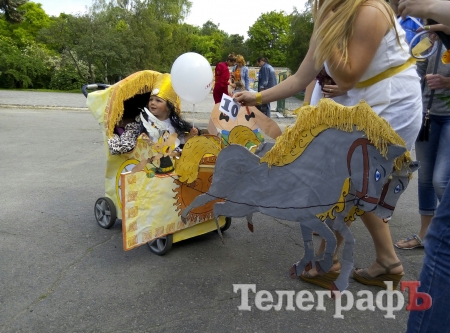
(149, 204)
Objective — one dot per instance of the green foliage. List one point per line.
(11, 11)
(269, 37)
(116, 38)
(209, 42)
(298, 38)
(33, 20)
(22, 67)
(65, 75)
(236, 44)
(215, 44)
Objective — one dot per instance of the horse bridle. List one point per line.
(362, 195)
(383, 195)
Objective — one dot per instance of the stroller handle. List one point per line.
(93, 86)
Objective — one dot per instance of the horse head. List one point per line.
(369, 170)
(395, 186)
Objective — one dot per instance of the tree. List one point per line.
(22, 67)
(268, 37)
(10, 8)
(209, 41)
(302, 26)
(33, 20)
(209, 28)
(235, 43)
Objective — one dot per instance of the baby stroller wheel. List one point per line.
(105, 212)
(162, 245)
(227, 224)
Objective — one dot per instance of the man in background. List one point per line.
(266, 79)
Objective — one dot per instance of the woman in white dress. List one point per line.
(368, 60)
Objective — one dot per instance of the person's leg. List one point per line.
(217, 95)
(435, 273)
(426, 153)
(441, 174)
(268, 110)
(384, 248)
(336, 265)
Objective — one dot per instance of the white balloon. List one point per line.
(191, 76)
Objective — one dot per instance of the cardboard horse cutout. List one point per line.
(391, 191)
(333, 159)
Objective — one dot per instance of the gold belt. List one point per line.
(386, 74)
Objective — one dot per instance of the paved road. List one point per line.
(78, 101)
(60, 272)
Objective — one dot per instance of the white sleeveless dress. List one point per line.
(398, 99)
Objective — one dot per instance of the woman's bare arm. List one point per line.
(287, 88)
(309, 91)
(371, 24)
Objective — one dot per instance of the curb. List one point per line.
(69, 108)
(43, 107)
(85, 109)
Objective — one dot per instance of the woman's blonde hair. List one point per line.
(240, 58)
(333, 34)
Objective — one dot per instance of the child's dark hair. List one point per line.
(181, 126)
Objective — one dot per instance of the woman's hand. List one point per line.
(437, 81)
(414, 8)
(245, 98)
(436, 27)
(331, 90)
(431, 9)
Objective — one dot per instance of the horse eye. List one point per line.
(397, 189)
(377, 175)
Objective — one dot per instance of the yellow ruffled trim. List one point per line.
(330, 114)
(137, 83)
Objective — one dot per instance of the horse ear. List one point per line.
(413, 166)
(395, 151)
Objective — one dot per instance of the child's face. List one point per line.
(158, 107)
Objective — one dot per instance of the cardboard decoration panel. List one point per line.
(251, 117)
(152, 205)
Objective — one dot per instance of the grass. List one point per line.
(300, 95)
(75, 91)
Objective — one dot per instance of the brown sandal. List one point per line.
(363, 277)
(325, 280)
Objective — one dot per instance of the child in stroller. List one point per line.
(161, 115)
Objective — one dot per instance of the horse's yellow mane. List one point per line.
(329, 114)
(199, 146)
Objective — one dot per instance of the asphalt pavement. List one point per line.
(61, 272)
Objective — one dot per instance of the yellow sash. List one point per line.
(386, 74)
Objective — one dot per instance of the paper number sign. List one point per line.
(228, 106)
